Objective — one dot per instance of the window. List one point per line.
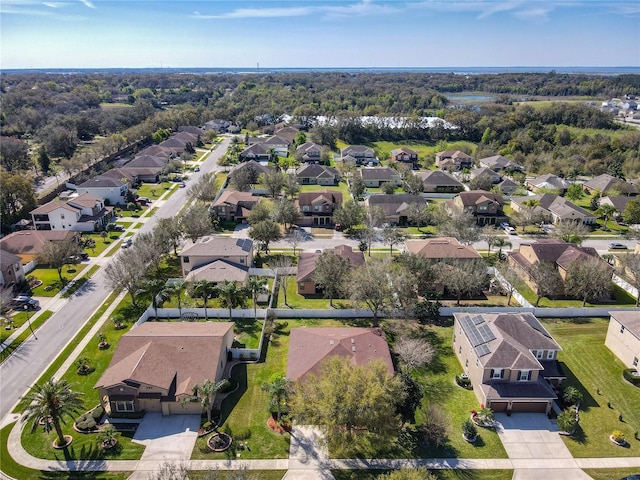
(497, 373)
(305, 208)
(524, 375)
(241, 260)
(550, 355)
(540, 354)
(126, 406)
(62, 216)
(621, 329)
(185, 259)
(635, 361)
(460, 349)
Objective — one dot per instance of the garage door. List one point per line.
(530, 407)
(498, 406)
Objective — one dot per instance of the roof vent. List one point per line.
(353, 349)
(352, 341)
(330, 342)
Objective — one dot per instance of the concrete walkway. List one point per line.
(308, 458)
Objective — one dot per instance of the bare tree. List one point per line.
(295, 238)
(205, 189)
(547, 279)
(631, 264)
(392, 236)
(589, 279)
(462, 277)
(59, 254)
(461, 225)
(127, 271)
(513, 280)
(414, 352)
(280, 266)
(571, 232)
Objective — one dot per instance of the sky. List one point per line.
(318, 33)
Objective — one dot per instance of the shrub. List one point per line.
(108, 436)
(617, 436)
(87, 424)
(464, 382)
(567, 420)
(631, 376)
(486, 415)
(243, 434)
(469, 430)
(571, 395)
(97, 413)
(434, 427)
(206, 425)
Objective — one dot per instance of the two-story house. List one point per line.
(359, 154)
(310, 152)
(208, 249)
(11, 271)
(317, 207)
(453, 160)
(395, 207)
(307, 267)
(485, 206)
(314, 174)
(623, 337)
(234, 206)
(405, 155)
(113, 190)
(84, 213)
(511, 360)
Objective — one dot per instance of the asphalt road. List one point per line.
(27, 363)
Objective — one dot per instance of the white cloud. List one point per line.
(261, 13)
(55, 4)
(87, 3)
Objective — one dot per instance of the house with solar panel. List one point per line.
(510, 359)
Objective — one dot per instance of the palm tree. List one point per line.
(205, 290)
(175, 288)
(501, 243)
(256, 285)
(155, 287)
(230, 294)
(52, 400)
(279, 389)
(206, 393)
(606, 212)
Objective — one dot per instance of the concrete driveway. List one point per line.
(170, 437)
(535, 448)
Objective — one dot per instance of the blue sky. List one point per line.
(318, 33)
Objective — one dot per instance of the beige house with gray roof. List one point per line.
(623, 337)
(511, 360)
(208, 249)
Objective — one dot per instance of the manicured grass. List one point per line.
(424, 149)
(444, 474)
(132, 213)
(103, 244)
(124, 224)
(232, 474)
(18, 320)
(153, 190)
(78, 284)
(55, 365)
(609, 473)
(430, 230)
(592, 368)
(342, 187)
(295, 300)
(621, 298)
(17, 471)
(51, 284)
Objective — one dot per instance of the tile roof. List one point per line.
(308, 347)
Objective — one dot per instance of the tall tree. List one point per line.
(356, 186)
(413, 184)
(571, 232)
(414, 352)
(280, 390)
(348, 214)
(195, 222)
(167, 231)
(126, 271)
(17, 199)
(58, 254)
(206, 393)
(231, 295)
(547, 279)
(392, 236)
(461, 225)
(606, 213)
(369, 285)
(462, 277)
(272, 182)
(331, 273)
(295, 238)
(286, 213)
(588, 279)
(256, 285)
(631, 212)
(205, 290)
(205, 189)
(43, 160)
(14, 155)
(54, 400)
(354, 405)
(291, 187)
(265, 232)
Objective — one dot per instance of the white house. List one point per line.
(111, 189)
(84, 213)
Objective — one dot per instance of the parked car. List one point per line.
(25, 302)
(197, 169)
(617, 246)
(510, 230)
(127, 243)
(632, 477)
(182, 185)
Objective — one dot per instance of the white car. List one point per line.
(510, 230)
(127, 243)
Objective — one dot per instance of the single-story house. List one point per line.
(619, 203)
(511, 360)
(234, 206)
(27, 244)
(156, 366)
(210, 248)
(11, 271)
(309, 347)
(317, 207)
(377, 176)
(623, 337)
(314, 174)
(254, 168)
(307, 266)
(258, 152)
(548, 181)
(554, 208)
(439, 181)
(453, 160)
(508, 187)
(498, 162)
(606, 183)
(156, 151)
(192, 129)
(441, 249)
(289, 133)
(483, 172)
(395, 206)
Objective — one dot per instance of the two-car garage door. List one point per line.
(516, 406)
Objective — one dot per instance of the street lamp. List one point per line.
(26, 309)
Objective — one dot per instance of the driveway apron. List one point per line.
(170, 437)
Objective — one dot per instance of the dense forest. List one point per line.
(54, 122)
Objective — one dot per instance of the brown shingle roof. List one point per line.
(378, 173)
(439, 178)
(308, 347)
(159, 353)
(233, 197)
(218, 271)
(29, 242)
(474, 196)
(329, 196)
(307, 261)
(440, 248)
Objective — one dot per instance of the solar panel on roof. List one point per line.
(477, 319)
(485, 333)
(483, 350)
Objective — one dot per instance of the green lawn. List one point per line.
(439, 474)
(17, 321)
(622, 298)
(51, 284)
(609, 473)
(296, 300)
(17, 471)
(592, 368)
(153, 190)
(132, 213)
(424, 149)
(103, 244)
(342, 187)
(430, 230)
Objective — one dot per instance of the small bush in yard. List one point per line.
(97, 413)
(631, 376)
(567, 420)
(617, 436)
(469, 430)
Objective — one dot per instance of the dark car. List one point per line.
(632, 477)
(24, 302)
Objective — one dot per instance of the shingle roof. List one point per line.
(102, 181)
(619, 202)
(308, 347)
(218, 271)
(378, 173)
(549, 180)
(86, 200)
(166, 353)
(8, 259)
(307, 261)
(484, 171)
(329, 196)
(233, 197)
(356, 150)
(29, 242)
(475, 196)
(405, 150)
(603, 182)
(52, 206)
(277, 140)
(439, 178)
(315, 171)
(219, 246)
(393, 204)
(147, 161)
(441, 248)
(630, 321)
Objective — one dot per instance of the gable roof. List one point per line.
(619, 202)
(378, 173)
(439, 178)
(405, 150)
(277, 140)
(498, 161)
(473, 197)
(120, 173)
(549, 180)
(630, 321)
(328, 196)
(453, 154)
(8, 259)
(218, 271)
(86, 200)
(603, 182)
(316, 171)
(29, 242)
(258, 167)
(505, 340)
(441, 248)
(485, 171)
(233, 197)
(394, 204)
(356, 150)
(147, 161)
(309, 147)
(165, 353)
(102, 181)
(217, 246)
(308, 347)
(307, 261)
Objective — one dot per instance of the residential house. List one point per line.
(508, 187)
(485, 206)
(619, 203)
(84, 213)
(362, 154)
(234, 206)
(317, 207)
(311, 152)
(309, 347)
(192, 129)
(259, 152)
(147, 167)
(113, 190)
(378, 176)
(186, 137)
(606, 183)
(123, 174)
(156, 151)
(254, 168)
(484, 172)
(395, 207)
(453, 160)
(156, 366)
(314, 174)
(175, 145)
(208, 249)
(11, 271)
(405, 155)
(219, 271)
(217, 125)
(27, 244)
(439, 181)
(442, 249)
(554, 208)
(498, 163)
(511, 360)
(623, 337)
(307, 267)
(289, 132)
(548, 181)
(554, 251)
